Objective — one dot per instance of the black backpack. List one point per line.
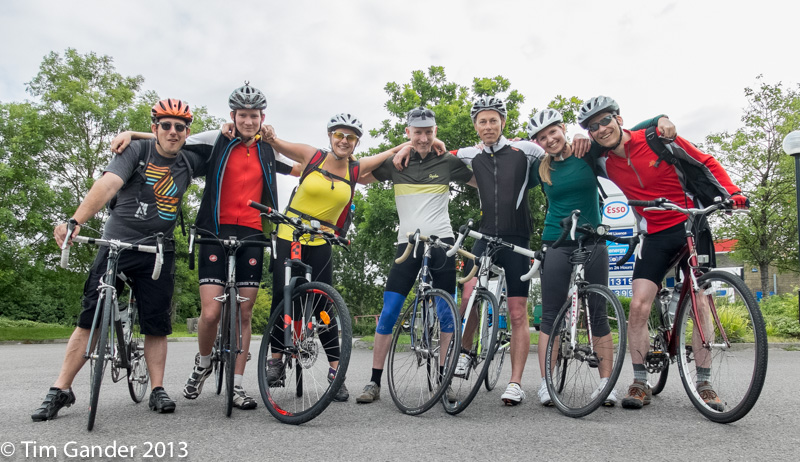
(695, 179)
(696, 182)
(342, 225)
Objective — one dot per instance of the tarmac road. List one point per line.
(668, 429)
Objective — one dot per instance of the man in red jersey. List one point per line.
(635, 168)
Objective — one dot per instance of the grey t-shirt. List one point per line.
(149, 201)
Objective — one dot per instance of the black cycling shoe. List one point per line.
(56, 399)
(342, 395)
(160, 401)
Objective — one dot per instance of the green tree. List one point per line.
(52, 150)
(376, 219)
(755, 160)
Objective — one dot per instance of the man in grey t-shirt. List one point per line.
(147, 201)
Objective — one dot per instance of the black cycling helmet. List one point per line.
(488, 103)
(595, 106)
(247, 97)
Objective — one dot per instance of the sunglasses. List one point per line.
(341, 136)
(421, 113)
(604, 121)
(167, 126)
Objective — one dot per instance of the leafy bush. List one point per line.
(781, 315)
(261, 311)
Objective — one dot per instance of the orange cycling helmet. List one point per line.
(172, 108)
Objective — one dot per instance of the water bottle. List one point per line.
(490, 315)
(502, 323)
(673, 301)
(124, 318)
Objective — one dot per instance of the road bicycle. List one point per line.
(425, 337)
(115, 340)
(312, 331)
(485, 335)
(716, 334)
(228, 342)
(581, 368)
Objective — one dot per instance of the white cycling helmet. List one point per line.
(488, 103)
(595, 106)
(542, 120)
(346, 121)
(247, 97)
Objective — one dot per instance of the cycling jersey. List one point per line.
(241, 183)
(573, 188)
(641, 177)
(217, 149)
(320, 197)
(501, 171)
(422, 192)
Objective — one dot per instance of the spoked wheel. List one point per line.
(574, 365)
(301, 384)
(723, 375)
(417, 355)
(657, 360)
(474, 358)
(138, 375)
(101, 354)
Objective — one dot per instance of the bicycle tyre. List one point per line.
(498, 359)
(574, 381)
(138, 374)
(302, 394)
(483, 340)
(737, 372)
(231, 349)
(657, 360)
(502, 345)
(413, 370)
(98, 362)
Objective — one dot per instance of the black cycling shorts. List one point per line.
(658, 251)
(515, 264)
(154, 298)
(212, 259)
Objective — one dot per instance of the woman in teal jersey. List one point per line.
(569, 182)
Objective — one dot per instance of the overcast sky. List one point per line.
(688, 59)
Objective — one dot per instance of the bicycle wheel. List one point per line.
(416, 356)
(723, 378)
(138, 375)
(101, 354)
(304, 382)
(657, 360)
(231, 348)
(476, 357)
(501, 346)
(574, 380)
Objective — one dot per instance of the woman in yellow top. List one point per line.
(322, 195)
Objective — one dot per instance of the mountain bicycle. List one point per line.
(581, 368)
(228, 342)
(312, 331)
(424, 339)
(717, 333)
(114, 338)
(482, 338)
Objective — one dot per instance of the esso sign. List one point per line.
(615, 210)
